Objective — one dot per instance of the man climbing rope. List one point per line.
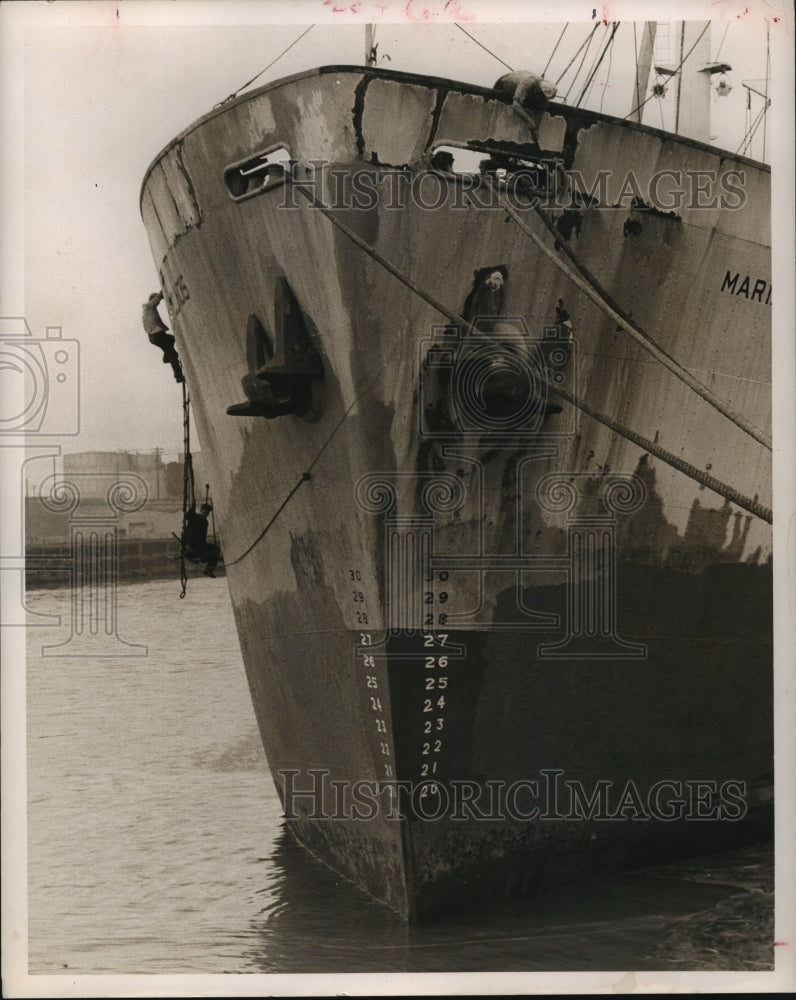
(194, 539)
(156, 331)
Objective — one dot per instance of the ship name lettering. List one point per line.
(758, 289)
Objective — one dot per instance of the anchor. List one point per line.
(283, 377)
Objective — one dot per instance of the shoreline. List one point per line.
(50, 566)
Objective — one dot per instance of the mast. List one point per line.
(693, 70)
(643, 68)
(693, 97)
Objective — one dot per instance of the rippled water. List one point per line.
(156, 844)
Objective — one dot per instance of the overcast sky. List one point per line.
(103, 93)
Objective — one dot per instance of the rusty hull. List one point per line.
(324, 624)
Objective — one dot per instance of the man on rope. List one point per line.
(156, 330)
(194, 539)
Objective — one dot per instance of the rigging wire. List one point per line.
(747, 117)
(595, 57)
(679, 82)
(580, 64)
(485, 48)
(270, 64)
(677, 70)
(721, 43)
(746, 142)
(608, 45)
(608, 75)
(555, 49)
(572, 60)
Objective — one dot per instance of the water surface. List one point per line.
(156, 843)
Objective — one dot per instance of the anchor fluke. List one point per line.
(283, 376)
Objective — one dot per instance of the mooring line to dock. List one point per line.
(591, 287)
(188, 483)
(302, 479)
(752, 505)
(305, 476)
(698, 475)
(450, 314)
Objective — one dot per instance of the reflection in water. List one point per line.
(338, 925)
(638, 920)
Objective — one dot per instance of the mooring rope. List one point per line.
(591, 287)
(698, 475)
(305, 476)
(728, 492)
(188, 484)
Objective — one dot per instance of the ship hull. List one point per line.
(488, 648)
